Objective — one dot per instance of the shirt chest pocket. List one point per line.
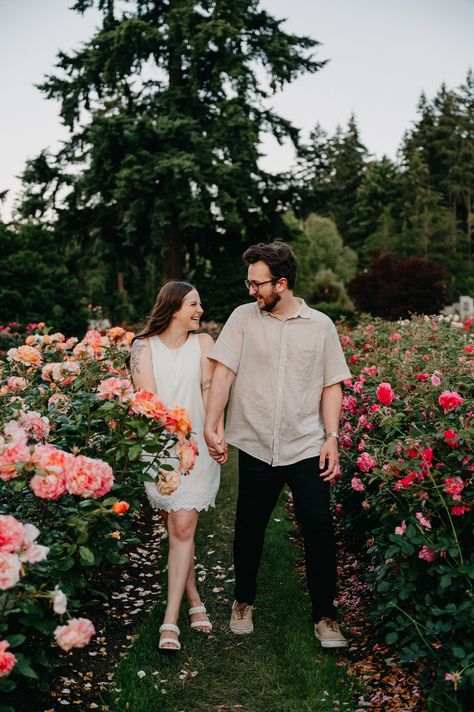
(307, 364)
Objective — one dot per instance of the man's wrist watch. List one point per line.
(332, 434)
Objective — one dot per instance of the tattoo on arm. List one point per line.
(206, 385)
(137, 350)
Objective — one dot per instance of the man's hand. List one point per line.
(329, 458)
(216, 445)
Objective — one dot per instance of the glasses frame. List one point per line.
(257, 285)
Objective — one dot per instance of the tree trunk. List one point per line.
(173, 259)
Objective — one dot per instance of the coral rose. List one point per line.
(178, 421)
(48, 486)
(385, 393)
(89, 478)
(146, 403)
(7, 660)
(76, 634)
(186, 452)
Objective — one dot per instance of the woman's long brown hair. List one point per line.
(168, 302)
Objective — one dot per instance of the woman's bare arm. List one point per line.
(141, 366)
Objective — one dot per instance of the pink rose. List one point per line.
(435, 380)
(454, 486)
(11, 534)
(48, 486)
(426, 554)
(30, 551)
(119, 388)
(7, 660)
(17, 384)
(59, 601)
(35, 424)
(10, 566)
(357, 485)
(400, 531)
(76, 634)
(385, 393)
(450, 399)
(365, 462)
(458, 510)
(423, 521)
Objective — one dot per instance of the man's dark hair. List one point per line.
(279, 258)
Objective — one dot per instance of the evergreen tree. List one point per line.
(160, 176)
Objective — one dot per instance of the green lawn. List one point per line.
(280, 668)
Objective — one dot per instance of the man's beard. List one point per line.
(269, 303)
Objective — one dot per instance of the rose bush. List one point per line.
(406, 443)
(76, 444)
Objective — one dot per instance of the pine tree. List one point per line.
(165, 108)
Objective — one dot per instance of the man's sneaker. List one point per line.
(241, 618)
(328, 633)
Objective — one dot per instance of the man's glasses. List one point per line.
(257, 285)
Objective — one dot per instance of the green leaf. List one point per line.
(86, 554)
(23, 666)
(134, 452)
(16, 640)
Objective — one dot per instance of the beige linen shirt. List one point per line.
(281, 369)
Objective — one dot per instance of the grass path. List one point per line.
(280, 668)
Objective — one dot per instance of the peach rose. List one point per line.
(167, 484)
(30, 551)
(186, 452)
(48, 486)
(26, 355)
(10, 567)
(76, 634)
(11, 534)
(116, 332)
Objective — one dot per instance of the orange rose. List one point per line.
(120, 507)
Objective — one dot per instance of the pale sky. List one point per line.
(383, 54)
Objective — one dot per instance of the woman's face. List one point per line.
(191, 311)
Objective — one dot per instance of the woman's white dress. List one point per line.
(177, 375)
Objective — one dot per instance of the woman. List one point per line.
(170, 360)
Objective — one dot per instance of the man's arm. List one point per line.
(331, 404)
(222, 380)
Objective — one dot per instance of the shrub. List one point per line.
(407, 431)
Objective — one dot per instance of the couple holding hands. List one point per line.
(282, 364)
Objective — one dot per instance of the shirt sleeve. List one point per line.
(335, 366)
(228, 347)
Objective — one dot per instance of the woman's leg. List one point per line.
(181, 527)
(194, 598)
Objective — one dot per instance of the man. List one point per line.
(285, 363)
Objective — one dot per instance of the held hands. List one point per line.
(329, 458)
(216, 445)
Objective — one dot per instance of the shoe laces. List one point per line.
(242, 610)
(331, 624)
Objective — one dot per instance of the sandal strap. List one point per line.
(171, 627)
(197, 609)
(174, 643)
(202, 624)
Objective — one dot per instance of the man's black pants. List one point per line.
(259, 488)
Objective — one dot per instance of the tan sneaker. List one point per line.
(241, 619)
(328, 633)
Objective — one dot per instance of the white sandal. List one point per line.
(175, 644)
(207, 625)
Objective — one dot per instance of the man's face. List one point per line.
(266, 295)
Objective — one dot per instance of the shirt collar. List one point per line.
(303, 311)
